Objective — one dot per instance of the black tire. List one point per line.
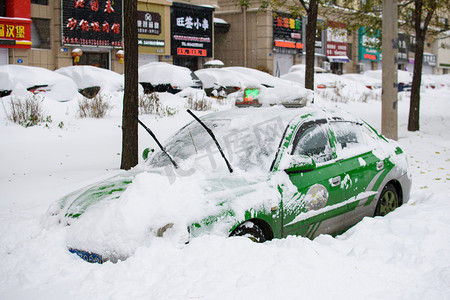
(250, 230)
(388, 201)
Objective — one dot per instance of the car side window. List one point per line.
(349, 135)
(312, 140)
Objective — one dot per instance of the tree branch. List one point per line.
(302, 2)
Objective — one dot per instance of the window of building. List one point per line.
(96, 59)
(2, 8)
(40, 33)
(41, 2)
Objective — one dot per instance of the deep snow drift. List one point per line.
(405, 255)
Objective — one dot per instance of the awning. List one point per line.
(340, 59)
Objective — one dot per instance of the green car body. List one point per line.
(317, 172)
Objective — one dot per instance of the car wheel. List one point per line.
(250, 230)
(388, 201)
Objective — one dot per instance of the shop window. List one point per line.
(96, 59)
(41, 2)
(188, 62)
(40, 33)
(2, 8)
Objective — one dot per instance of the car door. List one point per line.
(313, 209)
(360, 168)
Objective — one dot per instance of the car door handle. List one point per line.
(335, 181)
(380, 165)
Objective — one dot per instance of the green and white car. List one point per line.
(270, 172)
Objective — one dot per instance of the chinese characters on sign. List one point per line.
(11, 31)
(336, 39)
(92, 23)
(191, 30)
(15, 33)
(287, 34)
(368, 42)
(149, 23)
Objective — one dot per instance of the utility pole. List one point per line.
(389, 106)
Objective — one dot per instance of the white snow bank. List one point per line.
(164, 73)
(89, 76)
(20, 78)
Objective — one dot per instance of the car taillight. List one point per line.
(321, 86)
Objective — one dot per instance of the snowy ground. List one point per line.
(405, 255)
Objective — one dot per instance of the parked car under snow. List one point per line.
(23, 80)
(90, 80)
(264, 88)
(164, 77)
(272, 172)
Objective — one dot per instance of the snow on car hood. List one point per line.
(19, 78)
(115, 229)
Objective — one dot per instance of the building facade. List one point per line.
(58, 33)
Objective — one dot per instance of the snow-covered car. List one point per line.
(302, 67)
(164, 77)
(23, 80)
(404, 78)
(328, 80)
(268, 90)
(90, 80)
(263, 173)
(264, 88)
(219, 83)
(370, 82)
(334, 87)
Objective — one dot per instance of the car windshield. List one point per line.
(244, 146)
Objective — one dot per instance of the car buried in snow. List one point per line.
(263, 173)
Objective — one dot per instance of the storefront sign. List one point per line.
(15, 33)
(336, 39)
(149, 23)
(92, 23)
(429, 59)
(151, 43)
(367, 45)
(287, 34)
(191, 28)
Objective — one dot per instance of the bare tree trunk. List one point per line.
(414, 108)
(130, 156)
(421, 26)
(310, 44)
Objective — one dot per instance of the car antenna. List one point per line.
(213, 137)
(157, 142)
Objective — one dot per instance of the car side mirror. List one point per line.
(300, 164)
(146, 153)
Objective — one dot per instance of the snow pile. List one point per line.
(89, 76)
(404, 255)
(335, 87)
(164, 73)
(404, 77)
(272, 90)
(225, 77)
(52, 85)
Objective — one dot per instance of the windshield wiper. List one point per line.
(213, 137)
(157, 142)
